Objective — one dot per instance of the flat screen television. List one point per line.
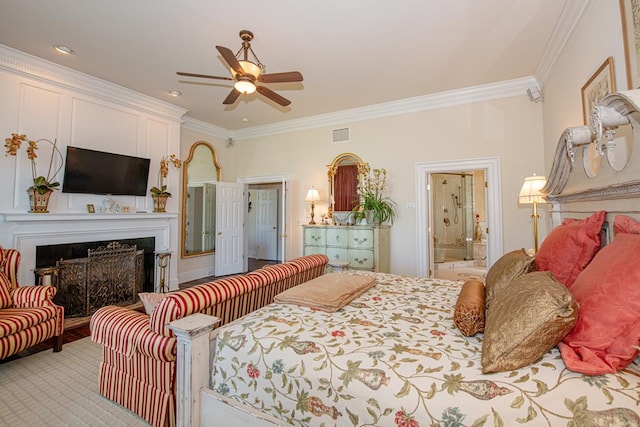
(97, 172)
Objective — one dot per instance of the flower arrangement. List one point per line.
(161, 189)
(371, 185)
(41, 184)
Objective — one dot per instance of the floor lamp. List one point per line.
(312, 197)
(530, 195)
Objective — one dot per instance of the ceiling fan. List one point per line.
(246, 73)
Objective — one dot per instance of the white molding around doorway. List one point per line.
(491, 166)
(283, 180)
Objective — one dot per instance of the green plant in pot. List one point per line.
(42, 186)
(373, 205)
(160, 193)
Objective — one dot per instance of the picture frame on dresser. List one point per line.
(631, 27)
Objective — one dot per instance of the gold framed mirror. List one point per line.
(201, 172)
(344, 174)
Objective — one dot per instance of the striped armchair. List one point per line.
(139, 350)
(28, 315)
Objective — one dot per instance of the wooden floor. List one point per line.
(77, 328)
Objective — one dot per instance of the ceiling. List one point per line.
(351, 53)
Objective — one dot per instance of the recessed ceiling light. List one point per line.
(245, 120)
(63, 49)
(175, 93)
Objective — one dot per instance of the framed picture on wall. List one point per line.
(630, 33)
(600, 84)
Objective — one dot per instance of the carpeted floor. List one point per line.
(59, 389)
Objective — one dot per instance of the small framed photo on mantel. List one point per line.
(91, 208)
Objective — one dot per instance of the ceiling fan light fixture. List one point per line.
(251, 68)
(244, 85)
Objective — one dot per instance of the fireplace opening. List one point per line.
(75, 259)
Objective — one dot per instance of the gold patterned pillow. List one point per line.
(469, 311)
(525, 321)
(510, 266)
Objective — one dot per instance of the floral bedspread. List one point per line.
(394, 357)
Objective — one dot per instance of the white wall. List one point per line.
(597, 36)
(43, 100)
(510, 128)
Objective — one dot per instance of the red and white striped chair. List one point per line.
(139, 350)
(28, 315)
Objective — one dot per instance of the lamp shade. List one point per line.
(312, 196)
(530, 191)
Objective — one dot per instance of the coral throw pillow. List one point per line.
(567, 250)
(608, 326)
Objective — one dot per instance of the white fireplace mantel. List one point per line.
(26, 231)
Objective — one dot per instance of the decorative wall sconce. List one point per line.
(312, 197)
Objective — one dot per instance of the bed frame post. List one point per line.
(192, 365)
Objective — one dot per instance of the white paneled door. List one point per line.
(267, 224)
(229, 256)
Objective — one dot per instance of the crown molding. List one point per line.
(569, 18)
(196, 125)
(487, 92)
(32, 67)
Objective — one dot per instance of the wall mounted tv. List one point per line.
(97, 172)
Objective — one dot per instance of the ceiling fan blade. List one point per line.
(290, 76)
(204, 76)
(273, 96)
(231, 98)
(231, 59)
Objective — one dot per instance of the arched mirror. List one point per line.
(201, 172)
(344, 173)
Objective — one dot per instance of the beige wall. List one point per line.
(597, 36)
(510, 128)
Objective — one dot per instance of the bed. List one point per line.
(394, 356)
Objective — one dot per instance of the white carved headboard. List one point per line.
(581, 181)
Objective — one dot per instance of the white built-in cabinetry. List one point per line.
(363, 247)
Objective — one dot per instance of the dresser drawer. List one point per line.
(338, 254)
(360, 238)
(315, 236)
(361, 259)
(314, 250)
(337, 237)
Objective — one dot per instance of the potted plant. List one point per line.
(160, 193)
(373, 206)
(43, 186)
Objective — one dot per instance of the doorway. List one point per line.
(267, 208)
(430, 209)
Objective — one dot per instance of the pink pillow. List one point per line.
(608, 325)
(567, 250)
(626, 225)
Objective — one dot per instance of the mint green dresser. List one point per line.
(363, 247)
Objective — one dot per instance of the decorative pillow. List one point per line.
(150, 300)
(567, 250)
(608, 326)
(525, 321)
(626, 225)
(510, 266)
(5, 286)
(469, 312)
